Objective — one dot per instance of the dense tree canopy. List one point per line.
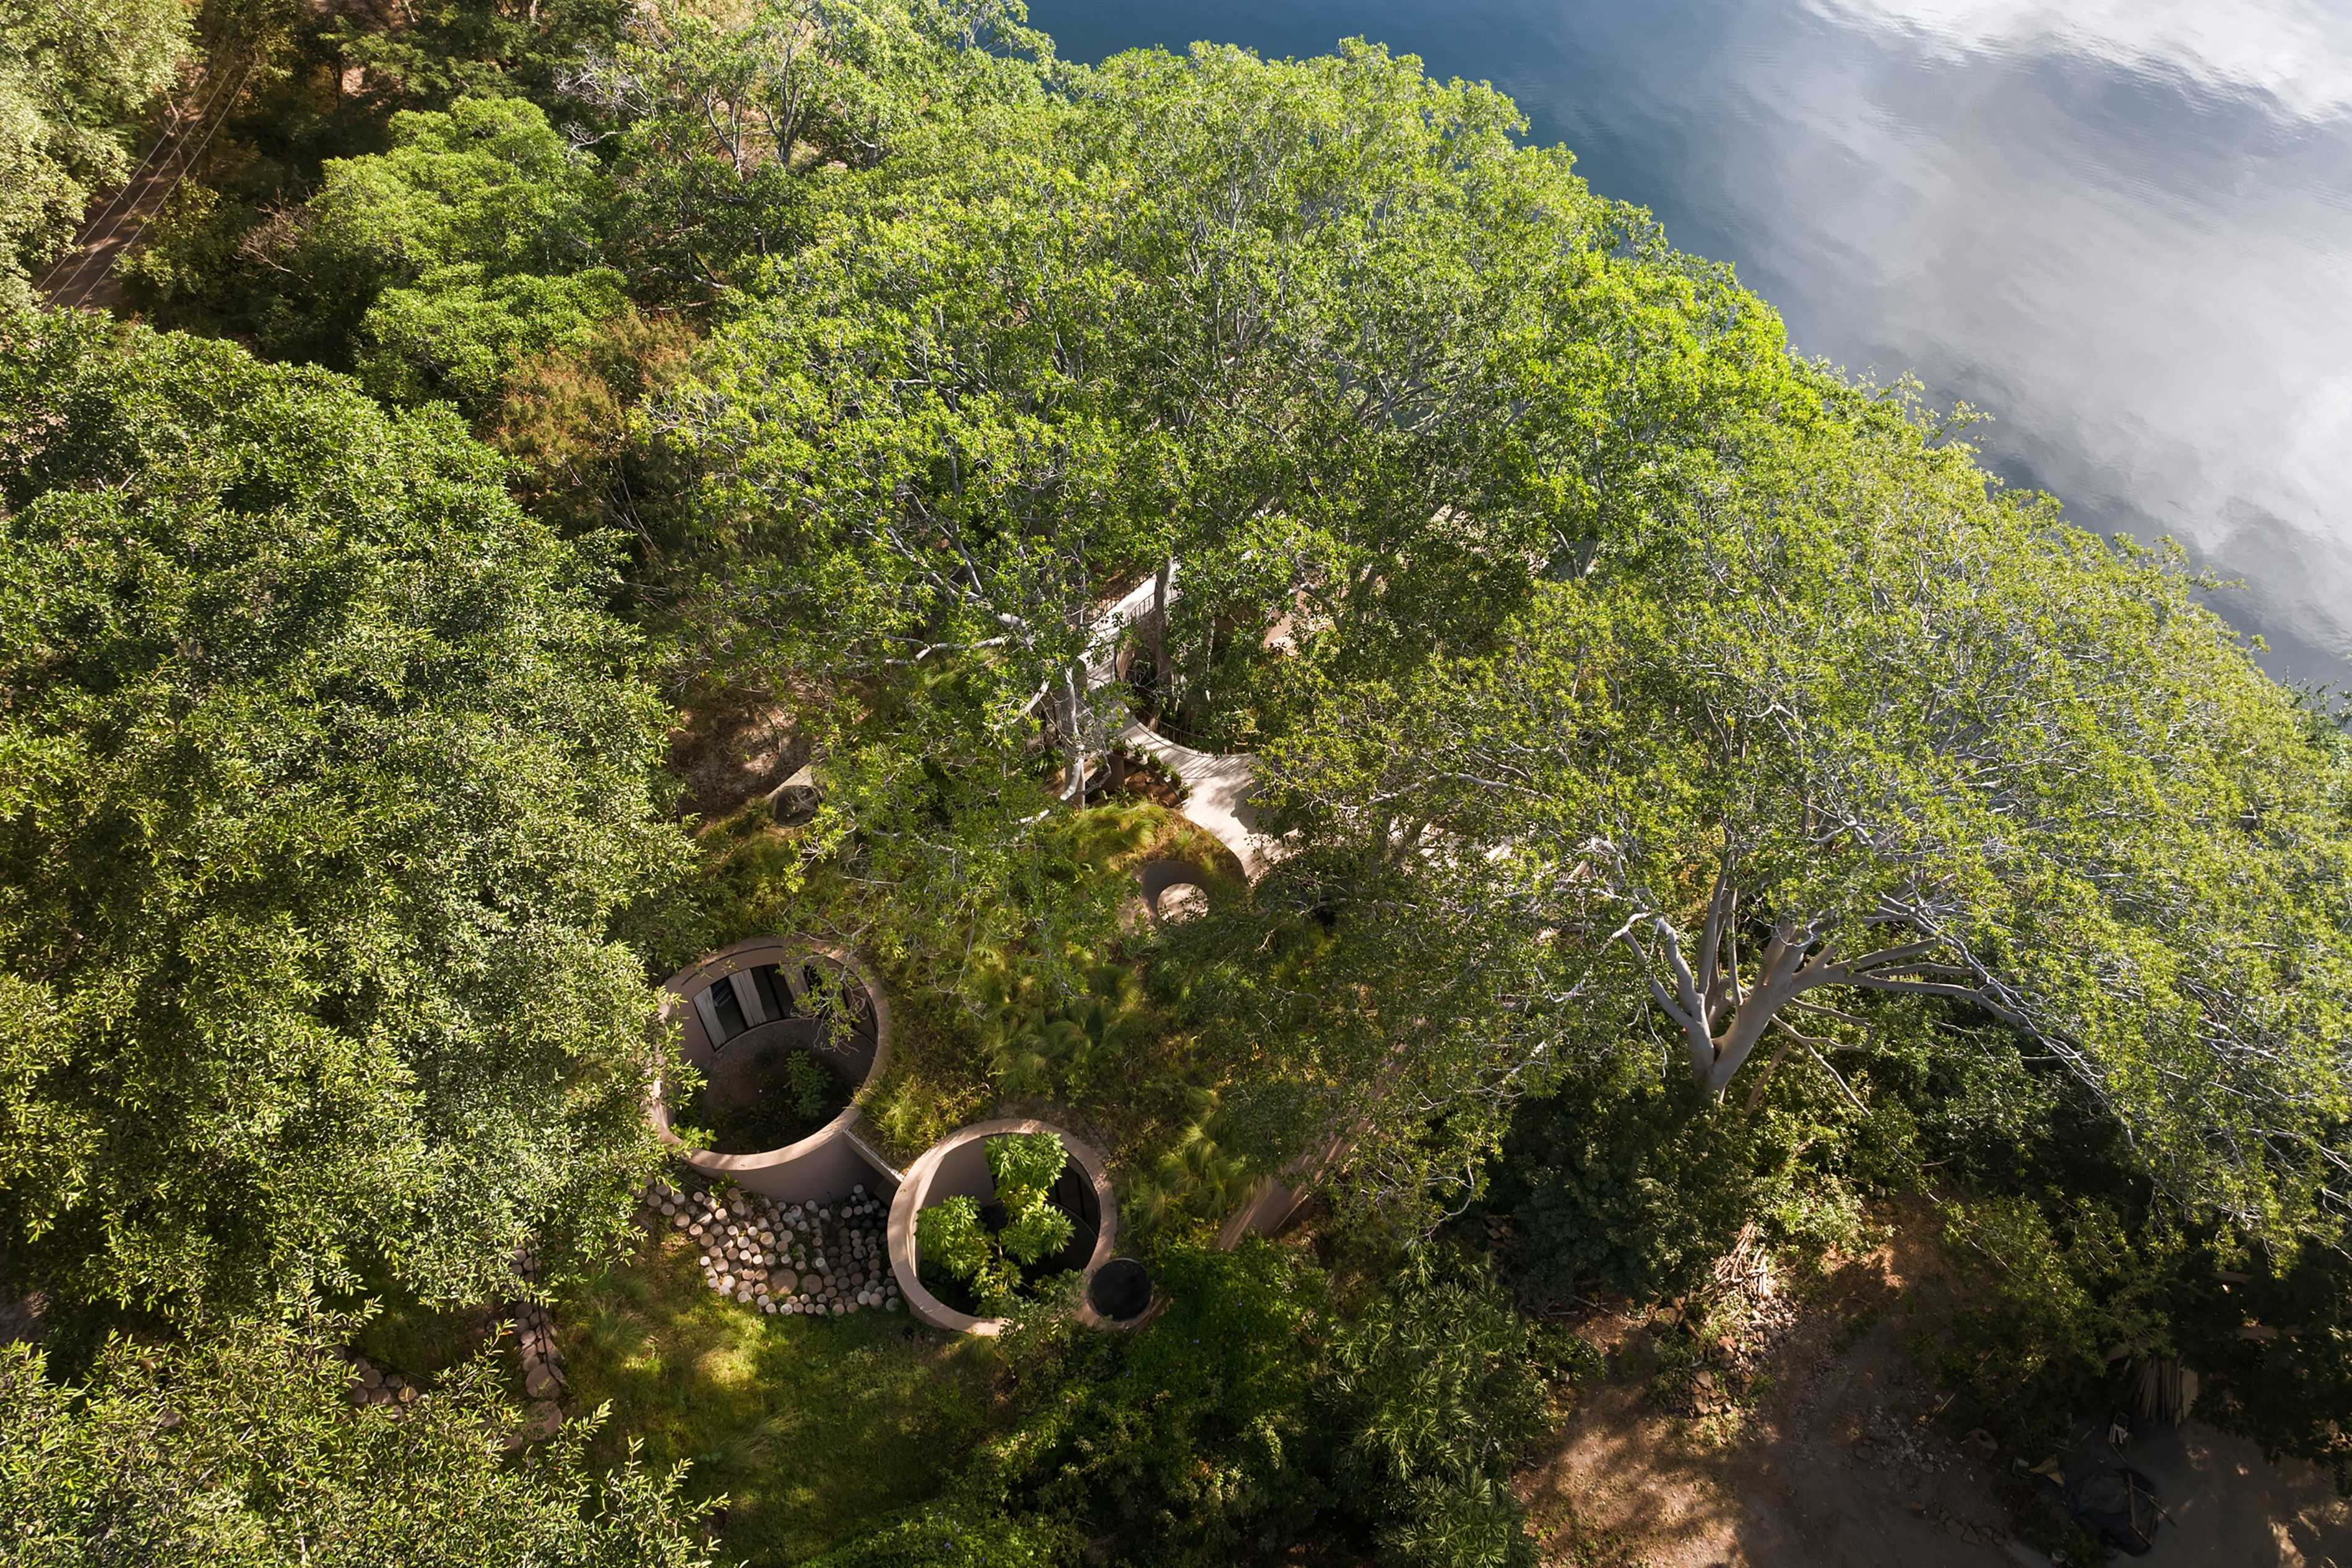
(473, 243)
(1320, 328)
(711, 120)
(245, 1451)
(321, 777)
(1860, 725)
(1697, 798)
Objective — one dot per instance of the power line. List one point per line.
(75, 258)
(226, 110)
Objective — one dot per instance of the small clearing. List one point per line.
(1838, 1466)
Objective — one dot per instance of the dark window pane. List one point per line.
(730, 1011)
(775, 997)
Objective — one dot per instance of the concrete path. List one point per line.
(1217, 795)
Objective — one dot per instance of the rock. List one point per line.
(539, 1384)
(544, 1420)
(892, 1304)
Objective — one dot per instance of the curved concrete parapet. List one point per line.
(760, 991)
(958, 1165)
(1157, 880)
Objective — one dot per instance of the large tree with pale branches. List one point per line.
(1853, 722)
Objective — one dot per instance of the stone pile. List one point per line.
(542, 1368)
(373, 1386)
(815, 1259)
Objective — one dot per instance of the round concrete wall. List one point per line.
(957, 1165)
(773, 990)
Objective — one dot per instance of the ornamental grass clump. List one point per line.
(955, 1236)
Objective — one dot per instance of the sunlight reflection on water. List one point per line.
(2122, 226)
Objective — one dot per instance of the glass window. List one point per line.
(731, 1021)
(775, 997)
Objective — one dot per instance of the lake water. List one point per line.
(2123, 227)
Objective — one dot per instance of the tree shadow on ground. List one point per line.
(813, 1429)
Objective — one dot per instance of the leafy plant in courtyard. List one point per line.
(811, 1085)
(953, 1234)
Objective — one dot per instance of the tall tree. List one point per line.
(322, 775)
(712, 120)
(475, 239)
(243, 1450)
(1863, 724)
(1320, 328)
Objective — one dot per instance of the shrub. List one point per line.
(953, 1235)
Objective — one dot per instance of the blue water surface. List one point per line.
(2123, 227)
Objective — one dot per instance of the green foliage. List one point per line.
(1200, 1174)
(446, 49)
(808, 1432)
(1026, 1165)
(1442, 1385)
(1759, 773)
(1063, 1050)
(958, 1536)
(1251, 1417)
(1639, 1186)
(812, 1086)
(76, 79)
(1190, 1439)
(952, 1235)
(469, 218)
(719, 117)
(322, 777)
(242, 1450)
(459, 335)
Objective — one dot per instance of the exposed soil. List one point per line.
(729, 748)
(1145, 778)
(769, 1109)
(1837, 1464)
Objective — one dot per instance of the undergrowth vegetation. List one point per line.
(1677, 805)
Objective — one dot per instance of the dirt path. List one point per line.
(87, 277)
(1835, 1468)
